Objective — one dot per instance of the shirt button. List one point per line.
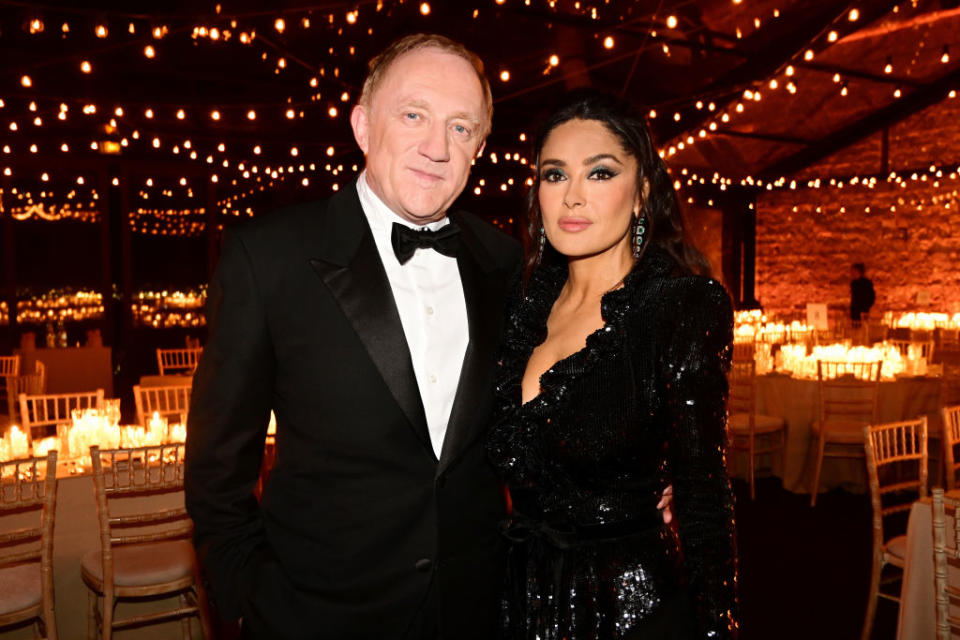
(432, 378)
(429, 311)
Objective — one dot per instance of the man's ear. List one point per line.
(360, 123)
(480, 149)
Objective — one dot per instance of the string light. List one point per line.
(149, 51)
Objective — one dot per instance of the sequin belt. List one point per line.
(520, 528)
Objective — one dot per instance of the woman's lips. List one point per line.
(574, 225)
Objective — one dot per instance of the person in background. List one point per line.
(862, 295)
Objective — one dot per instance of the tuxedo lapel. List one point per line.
(348, 263)
(480, 292)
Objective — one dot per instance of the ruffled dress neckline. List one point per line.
(544, 287)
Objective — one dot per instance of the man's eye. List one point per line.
(461, 130)
(411, 116)
(552, 175)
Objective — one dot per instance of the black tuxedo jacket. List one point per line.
(358, 520)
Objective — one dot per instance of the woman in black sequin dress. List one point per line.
(612, 388)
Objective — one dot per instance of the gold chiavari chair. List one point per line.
(848, 394)
(31, 384)
(747, 430)
(146, 551)
(170, 402)
(942, 554)
(897, 467)
(49, 410)
(26, 553)
(178, 360)
(950, 438)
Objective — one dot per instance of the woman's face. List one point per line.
(588, 190)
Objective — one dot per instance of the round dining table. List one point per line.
(796, 400)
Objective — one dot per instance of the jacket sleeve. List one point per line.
(229, 412)
(695, 363)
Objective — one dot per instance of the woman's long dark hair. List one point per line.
(664, 222)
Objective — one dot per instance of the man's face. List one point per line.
(420, 131)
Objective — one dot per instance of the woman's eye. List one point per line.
(552, 175)
(602, 173)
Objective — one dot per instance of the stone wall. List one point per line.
(908, 236)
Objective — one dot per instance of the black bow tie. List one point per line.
(406, 240)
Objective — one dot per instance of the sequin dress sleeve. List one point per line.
(694, 365)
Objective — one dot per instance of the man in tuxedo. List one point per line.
(369, 324)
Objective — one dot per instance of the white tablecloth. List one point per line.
(918, 618)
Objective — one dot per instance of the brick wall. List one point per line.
(909, 238)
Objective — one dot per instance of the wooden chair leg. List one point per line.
(783, 456)
(91, 615)
(203, 610)
(753, 465)
(815, 487)
(874, 595)
(184, 620)
(106, 623)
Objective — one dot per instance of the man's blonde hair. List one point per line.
(379, 64)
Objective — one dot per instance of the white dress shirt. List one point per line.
(429, 297)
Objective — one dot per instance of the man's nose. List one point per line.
(435, 144)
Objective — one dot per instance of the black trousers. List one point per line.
(425, 624)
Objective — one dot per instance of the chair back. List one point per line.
(950, 383)
(874, 332)
(45, 410)
(942, 554)
(951, 438)
(31, 384)
(170, 402)
(898, 443)
(26, 486)
(130, 475)
(9, 365)
(178, 360)
(744, 351)
(849, 390)
(949, 339)
(742, 382)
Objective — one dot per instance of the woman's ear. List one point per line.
(642, 196)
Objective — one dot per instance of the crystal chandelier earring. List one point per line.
(639, 228)
(541, 242)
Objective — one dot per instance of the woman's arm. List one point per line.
(695, 362)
